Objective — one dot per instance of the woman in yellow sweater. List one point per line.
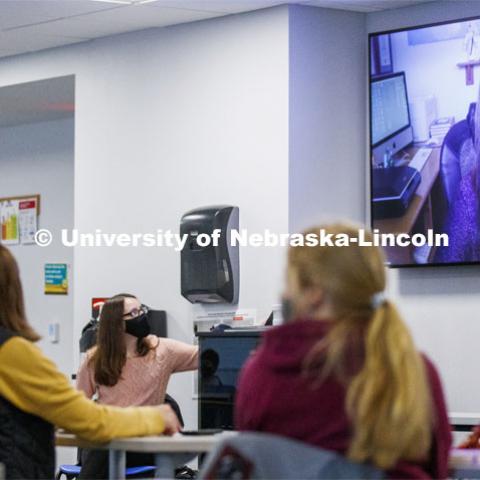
(35, 396)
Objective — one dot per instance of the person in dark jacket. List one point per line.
(342, 372)
(35, 396)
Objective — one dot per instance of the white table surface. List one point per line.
(152, 444)
(169, 451)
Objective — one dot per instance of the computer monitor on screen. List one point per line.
(390, 117)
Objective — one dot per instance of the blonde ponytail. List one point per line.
(389, 399)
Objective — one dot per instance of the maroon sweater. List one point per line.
(274, 397)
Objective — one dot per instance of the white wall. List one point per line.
(440, 304)
(327, 122)
(38, 158)
(168, 120)
(431, 69)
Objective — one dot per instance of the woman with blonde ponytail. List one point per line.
(343, 372)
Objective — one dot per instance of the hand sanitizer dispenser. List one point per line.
(210, 274)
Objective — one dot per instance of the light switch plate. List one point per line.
(54, 332)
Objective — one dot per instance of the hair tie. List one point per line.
(378, 299)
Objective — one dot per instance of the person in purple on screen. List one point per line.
(457, 210)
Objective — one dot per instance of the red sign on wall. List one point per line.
(97, 304)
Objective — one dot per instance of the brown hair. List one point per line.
(12, 308)
(388, 398)
(110, 353)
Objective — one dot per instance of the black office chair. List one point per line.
(175, 407)
(450, 168)
(450, 157)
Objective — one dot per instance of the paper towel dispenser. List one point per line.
(210, 274)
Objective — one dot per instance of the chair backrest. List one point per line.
(175, 407)
(450, 171)
(266, 456)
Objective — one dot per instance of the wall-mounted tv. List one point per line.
(424, 85)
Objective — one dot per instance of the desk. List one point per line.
(421, 203)
(173, 451)
(170, 452)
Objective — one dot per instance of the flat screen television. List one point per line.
(424, 131)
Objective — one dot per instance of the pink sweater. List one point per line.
(144, 379)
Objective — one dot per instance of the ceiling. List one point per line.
(31, 102)
(32, 25)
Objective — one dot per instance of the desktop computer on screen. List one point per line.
(390, 117)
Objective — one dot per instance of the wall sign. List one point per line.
(10, 234)
(56, 279)
(97, 304)
(19, 219)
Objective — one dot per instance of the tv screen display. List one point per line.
(425, 143)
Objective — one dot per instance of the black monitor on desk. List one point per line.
(222, 356)
(391, 128)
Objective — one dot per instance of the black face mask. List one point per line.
(138, 326)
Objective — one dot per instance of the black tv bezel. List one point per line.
(379, 78)
(370, 146)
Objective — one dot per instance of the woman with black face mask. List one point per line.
(129, 367)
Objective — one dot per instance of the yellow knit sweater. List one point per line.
(32, 383)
